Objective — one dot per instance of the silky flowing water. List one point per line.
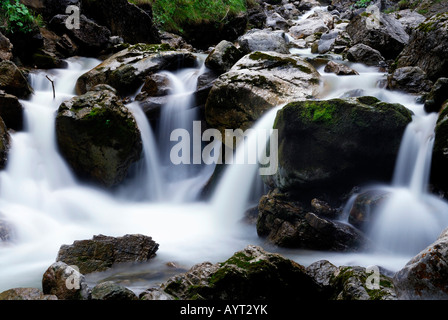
(47, 206)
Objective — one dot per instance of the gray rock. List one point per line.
(155, 294)
(327, 41)
(339, 69)
(264, 40)
(409, 79)
(365, 54)
(65, 282)
(223, 57)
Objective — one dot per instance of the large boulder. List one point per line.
(13, 81)
(102, 252)
(427, 48)
(338, 143)
(255, 84)
(49, 8)
(264, 40)
(425, 277)
(319, 22)
(109, 290)
(126, 70)
(65, 282)
(250, 274)
(123, 19)
(98, 136)
(380, 31)
(90, 38)
(286, 223)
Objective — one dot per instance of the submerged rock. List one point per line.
(425, 277)
(252, 274)
(364, 207)
(336, 144)
(25, 294)
(98, 136)
(258, 82)
(127, 69)
(287, 224)
(102, 252)
(427, 47)
(65, 282)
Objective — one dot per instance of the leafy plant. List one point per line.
(363, 3)
(15, 17)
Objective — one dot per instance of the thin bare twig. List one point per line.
(52, 84)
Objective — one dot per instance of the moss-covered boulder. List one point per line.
(352, 282)
(127, 69)
(109, 290)
(336, 144)
(287, 223)
(427, 47)
(252, 274)
(98, 136)
(255, 84)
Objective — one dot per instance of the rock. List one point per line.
(277, 22)
(111, 291)
(250, 274)
(327, 41)
(322, 208)
(204, 34)
(155, 294)
(439, 174)
(308, 27)
(339, 69)
(425, 276)
(223, 57)
(364, 206)
(4, 144)
(427, 48)
(255, 84)
(264, 40)
(409, 79)
(409, 19)
(102, 252)
(287, 224)
(25, 44)
(337, 143)
(123, 19)
(65, 282)
(126, 70)
(437, 96)
(25, 294)
(365, 54)
(13, 81)
(91, 38)
(5, 48)
(98, 137)
(11, 111)
(349, 283)
(380, 31)
(50, 8)
(175, 41)
(6, 231)
(156, 85)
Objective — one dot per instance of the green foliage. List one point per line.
(172, 15)
(363, 3)
(15, 17)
